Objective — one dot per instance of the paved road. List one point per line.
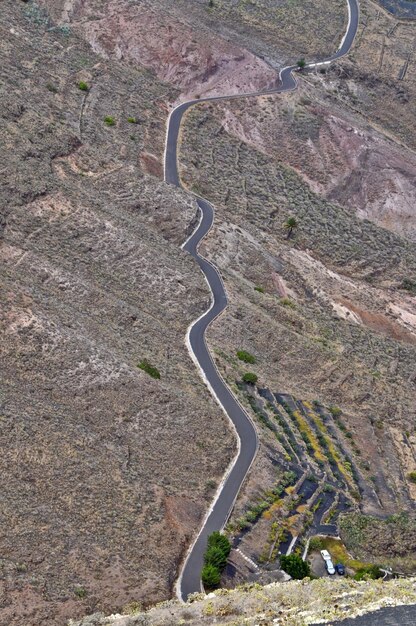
(217, 516)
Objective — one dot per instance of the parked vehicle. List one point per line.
(329, 567)
(340, 569)
(325, 555)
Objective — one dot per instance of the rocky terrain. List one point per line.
(101, 464)
(108, 471)
(231, 47)
(288, 604)
(324, 319)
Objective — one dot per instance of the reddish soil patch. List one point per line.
(151, 165)
(380, 323)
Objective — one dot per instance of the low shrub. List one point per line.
(83, 86)
(109, 121)
(412, 477)
(149, 369)
(287, 302)
(408, 285)
(245, 356)
(132, 120)
(370, 572)
(250, 378)
(80, 592)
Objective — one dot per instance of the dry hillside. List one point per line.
(108, 471)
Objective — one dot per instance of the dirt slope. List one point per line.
(105, 471)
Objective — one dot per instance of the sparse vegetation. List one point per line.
(83, 86)
(409, 285)
(390, 541)
(132, 120)
(287, 302)
(370, 572)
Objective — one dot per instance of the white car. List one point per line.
(325, 555)
(329, 567)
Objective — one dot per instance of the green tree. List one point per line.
(220, 541)
(214, 555)
(294, 566)
(301, 63)
(290, 225)
(211, 576)
(250, 378)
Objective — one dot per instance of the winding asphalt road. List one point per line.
(219, 512)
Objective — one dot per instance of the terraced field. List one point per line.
(317, 479)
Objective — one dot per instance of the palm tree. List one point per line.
(290, 225)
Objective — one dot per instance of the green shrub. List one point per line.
(335, 411)
(408, 285)
(250, 378)
(132, 120)
(83, 86)
(315, 544)
(211, 576)
(259, 289)
(369, 572)
(412, 477)
(109, 121)
(80, 592)
(245, 356)
(287, 302)
(294, 566)
(149, 369)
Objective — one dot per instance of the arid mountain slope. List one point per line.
(331, 321)
(105, 470)
(206, 51)
(335, 150)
